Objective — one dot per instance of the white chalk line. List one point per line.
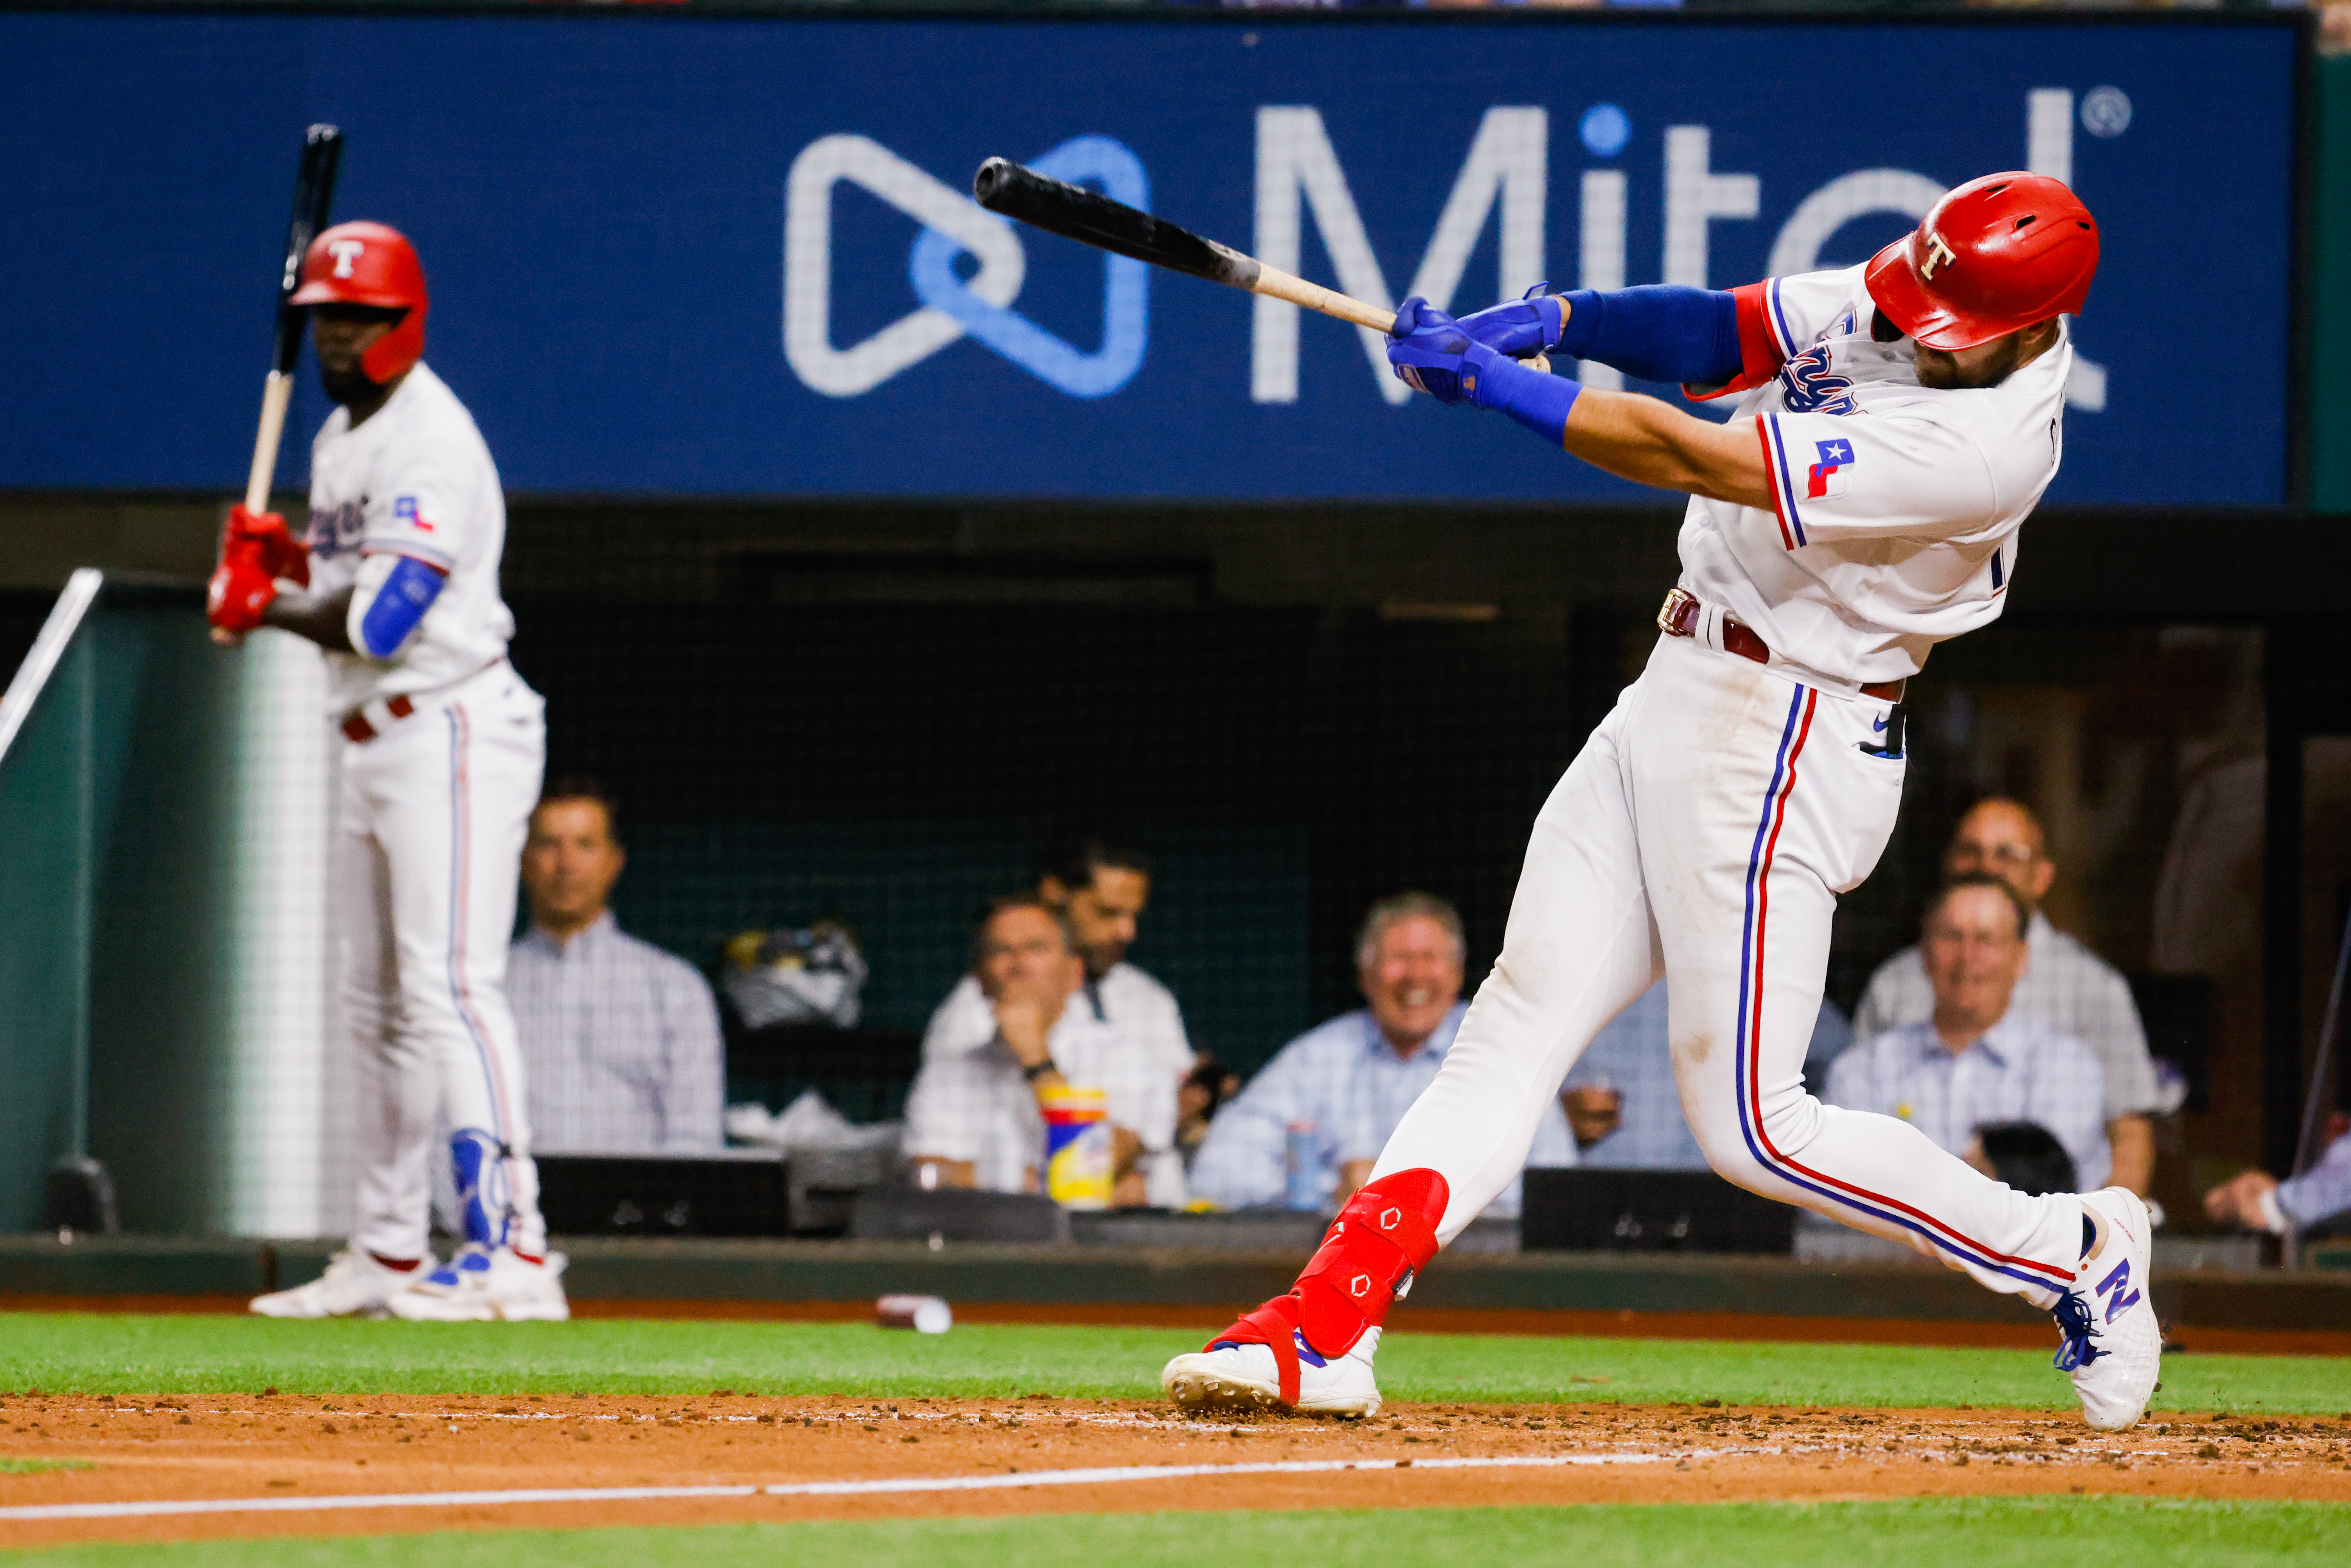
(1108, 1475)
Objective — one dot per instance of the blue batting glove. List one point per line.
(1431, 353)
(1519, 327)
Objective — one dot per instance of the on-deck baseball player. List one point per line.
(443, 748)
(1899, 420)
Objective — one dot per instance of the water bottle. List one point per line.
(1302, 1183)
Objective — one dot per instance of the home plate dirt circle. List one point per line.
(125, 1468)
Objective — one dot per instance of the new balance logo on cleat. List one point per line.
(2116, 1288)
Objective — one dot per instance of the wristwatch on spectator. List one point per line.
(1038, 1070)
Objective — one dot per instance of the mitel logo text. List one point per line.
(1504, 180)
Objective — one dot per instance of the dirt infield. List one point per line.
(129, 1449)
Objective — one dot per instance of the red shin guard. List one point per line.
(1386, 1232)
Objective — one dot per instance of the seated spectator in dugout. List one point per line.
(1346, 1084)
(1977, 1062)
(1014, 1029)
(620, 1040)
(2259, 1201)
(1100, 890)
(2068, 988)
(1621, 1100)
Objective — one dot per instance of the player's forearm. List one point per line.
(1646, 441)
(323, 618)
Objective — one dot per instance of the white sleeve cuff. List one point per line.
(2273, 1219)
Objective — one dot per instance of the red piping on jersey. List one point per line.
(1771, 479)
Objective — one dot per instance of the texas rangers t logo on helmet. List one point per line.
(346, 252)
(1938, 253)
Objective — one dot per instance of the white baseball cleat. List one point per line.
(482, 1285)
(354, 1282)
(2112, 1344)
(1233, 1376)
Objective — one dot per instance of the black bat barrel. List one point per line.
(1092, 218)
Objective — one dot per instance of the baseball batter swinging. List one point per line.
(443, 749)
(1897, 421)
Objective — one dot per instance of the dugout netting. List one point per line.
(891, 744)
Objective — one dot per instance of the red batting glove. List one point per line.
(263, 539)
(240, 590)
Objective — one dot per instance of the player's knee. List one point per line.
(1730, 1155)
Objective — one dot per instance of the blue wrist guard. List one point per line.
(1536, 400)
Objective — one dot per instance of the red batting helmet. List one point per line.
(1994, 255)
(370, 264)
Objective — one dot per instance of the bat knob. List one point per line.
(993, 177)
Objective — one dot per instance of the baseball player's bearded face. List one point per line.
(342, 334)
(1986, 364)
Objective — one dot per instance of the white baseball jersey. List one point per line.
(415, 479)
(1896, 506)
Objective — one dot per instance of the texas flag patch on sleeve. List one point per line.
(1829, 477)
(403, 511)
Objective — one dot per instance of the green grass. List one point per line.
(161, 1354)
(1984, 1532)
(36, 1466)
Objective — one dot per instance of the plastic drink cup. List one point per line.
(1079, 1162)
(1301, 1170)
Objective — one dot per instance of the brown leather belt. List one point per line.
(356, 729)
(1677, 617)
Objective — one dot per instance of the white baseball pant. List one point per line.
(428, 846)
(1704, 832)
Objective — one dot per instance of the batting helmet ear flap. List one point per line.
(393, 353)
(363, 263)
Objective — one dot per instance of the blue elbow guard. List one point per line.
(1658, 332)
(398, 606)
(1536, 400)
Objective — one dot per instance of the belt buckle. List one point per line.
(1678, 602)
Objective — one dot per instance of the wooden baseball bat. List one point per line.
(314, 191)
(1092, 218)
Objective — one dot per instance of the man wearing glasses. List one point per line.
(2065, 985)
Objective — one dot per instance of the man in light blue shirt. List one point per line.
(1344, 1085)
(2259, 1201)
(1976, 1063)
